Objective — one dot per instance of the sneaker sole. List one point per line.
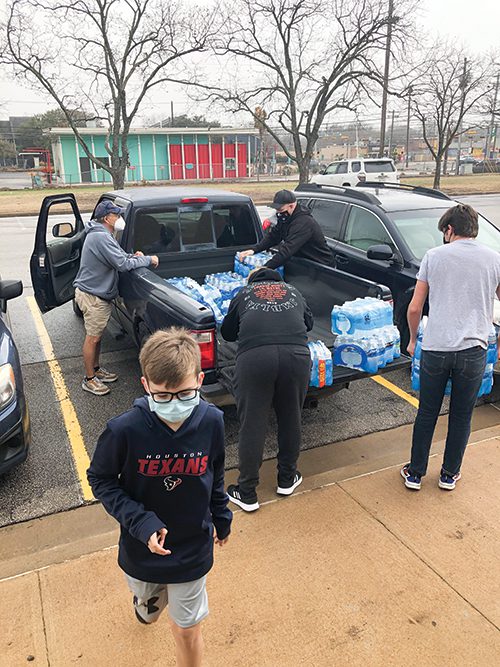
(448, 487)
(410, 485)
(247, 507)
(287, 491)
(95, 393)
(108, 381)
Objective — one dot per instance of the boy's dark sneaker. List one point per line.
(448, 482)
(411, 481)
(288, 490)
(233, 492)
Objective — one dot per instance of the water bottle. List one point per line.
(415, 374)
(492, 353)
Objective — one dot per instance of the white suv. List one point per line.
(351, 172)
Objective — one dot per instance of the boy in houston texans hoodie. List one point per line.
(158, 469)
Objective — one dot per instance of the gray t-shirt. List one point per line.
(463, 277)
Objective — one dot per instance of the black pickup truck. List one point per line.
(194, 232)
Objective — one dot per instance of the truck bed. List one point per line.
(322, 287)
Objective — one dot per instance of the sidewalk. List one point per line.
(352, 570)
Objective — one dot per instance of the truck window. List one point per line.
(196, 227)
(342, 168)
(157, 231)
(376, 166)
(332, 168)
(329, 214)
(233, 226)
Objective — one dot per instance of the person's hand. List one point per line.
(220, 542)
(154, 261)
(246, 253)
(411, 348)
(139, 253)
(156, 541)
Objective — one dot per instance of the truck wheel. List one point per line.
(76, 309)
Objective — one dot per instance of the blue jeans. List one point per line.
(466, 369)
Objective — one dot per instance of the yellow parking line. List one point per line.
(80, 456)
(380, 379)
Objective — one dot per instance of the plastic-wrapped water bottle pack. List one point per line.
(216, 292)
(491, 358)
(243, 265)
(366, 336)
(322, 364)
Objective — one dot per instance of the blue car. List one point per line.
(15, 434)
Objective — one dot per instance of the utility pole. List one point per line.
(386, 81)
(392, 132)
(408, 128)
(357, 136)
(491, 132)
(172, 113)
(463, 85)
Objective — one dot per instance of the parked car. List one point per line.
(486, 167)
(349, 173)
(194, 232)
(15, 434)
(380, 232)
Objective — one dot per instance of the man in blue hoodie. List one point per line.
(158, 469)
(97, 285)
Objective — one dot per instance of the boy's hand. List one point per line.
(156, 541)
(221, 543)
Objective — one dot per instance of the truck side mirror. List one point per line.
(63, 230)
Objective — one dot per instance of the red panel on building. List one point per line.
(190, 160)
(217, 171)
(242, 160)
(175, 153)
(230, 155)
(203, 161)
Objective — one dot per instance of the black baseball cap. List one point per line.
(282, 198)
(107, 206)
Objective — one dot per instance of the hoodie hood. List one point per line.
(93, 226)
(265, 274)
(153, 421)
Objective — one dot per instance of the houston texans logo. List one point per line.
(172, 482)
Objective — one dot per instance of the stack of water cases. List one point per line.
(366, 336)
(491, 357)
(216, 293)
(243, 265)
(322, 364)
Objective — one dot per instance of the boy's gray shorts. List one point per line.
(187, 603)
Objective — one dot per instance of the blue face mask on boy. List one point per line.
(174, 410)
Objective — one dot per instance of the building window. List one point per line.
(230, 164)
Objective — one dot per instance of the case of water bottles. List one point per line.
(243, 265)
(322, 364)
(216, 292)
(491, 358)
(366, 336)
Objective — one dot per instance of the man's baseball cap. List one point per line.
(105, 207)
(282, 198)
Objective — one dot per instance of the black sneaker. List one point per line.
(233, 493)
(288, 490)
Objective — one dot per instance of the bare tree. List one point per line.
(299, 61)
(105, 56)
(443, 94)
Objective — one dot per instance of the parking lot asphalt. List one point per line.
(48, 481)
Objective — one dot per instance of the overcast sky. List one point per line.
(476, 24)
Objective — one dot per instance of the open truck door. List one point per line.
(56, 256)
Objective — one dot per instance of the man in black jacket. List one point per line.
(296, 232)
(270, 319)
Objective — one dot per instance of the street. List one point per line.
(48, 481)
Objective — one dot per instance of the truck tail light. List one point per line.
(206, 343)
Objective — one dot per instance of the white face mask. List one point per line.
(119, 225)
